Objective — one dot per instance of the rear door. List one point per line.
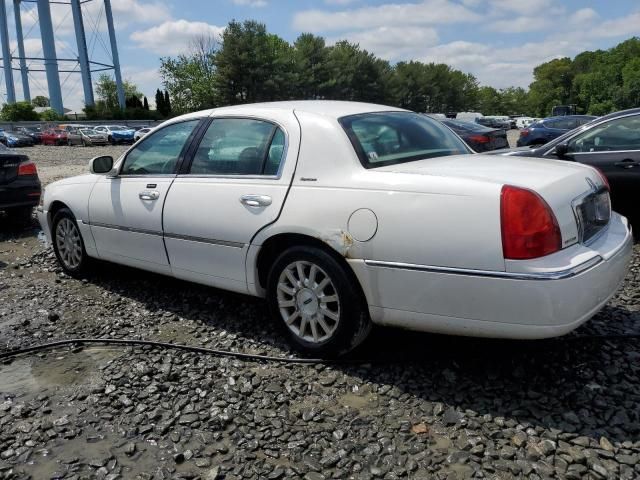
(235, 185)
(614, 148)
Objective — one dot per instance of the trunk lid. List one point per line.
(9, 167)
(565, 186)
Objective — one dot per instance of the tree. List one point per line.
(50, 115)
(107, 92)
(160, 103)
(310, 60)
(40, 101)
(190, 78)
(145, 104)
(167, 103)
(19, 111)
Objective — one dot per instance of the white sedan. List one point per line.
(343, 215)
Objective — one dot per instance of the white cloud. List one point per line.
(617, 27)
(521, 7)
(583, 16)
(520, 24)
(174, 37)
(251, 3)
(392, 43)
(340, 2)
(426, 12)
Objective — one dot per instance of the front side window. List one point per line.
(239, 146)
(617, 134)
(159, 153)
(389, 138)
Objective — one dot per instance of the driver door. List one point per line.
(125, 212)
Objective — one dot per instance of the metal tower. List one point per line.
(50, 57)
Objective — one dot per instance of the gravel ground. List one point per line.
(417, 406)
(55, 163)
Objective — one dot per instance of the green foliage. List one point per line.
(13, 112)
(40, 101)
(107, 93)
(51, 115)
(597, 82)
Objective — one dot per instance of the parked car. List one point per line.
(479, 138)
(71, 127)
(523, 122)
(493, 123)
(344, 214)
(116, 134)
(89, 137)
(467, 116)
(611, 144)
(34, 132)
(14, 138)
(55, 136)
(561, 110)
(19, 185)
(542, 131)
(141, 133)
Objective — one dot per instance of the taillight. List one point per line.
(27, 168)
(524, 132)
(479, 139)
(529, 227)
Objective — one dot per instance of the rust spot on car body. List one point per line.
(339, 240)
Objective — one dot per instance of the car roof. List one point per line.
(562, 117)
(328, 108)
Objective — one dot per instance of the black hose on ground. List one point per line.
(230, 354)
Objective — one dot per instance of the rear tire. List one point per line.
(318, 304)
(68, 244)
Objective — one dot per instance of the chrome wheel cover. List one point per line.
(308, 302)
(69, 243)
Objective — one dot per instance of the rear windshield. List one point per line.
(389, 138)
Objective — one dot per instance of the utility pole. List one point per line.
(83, 54)
(114, 53)
(24, 71)
(6, 54)
(50, 57)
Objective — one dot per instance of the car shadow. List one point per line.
(578, 383)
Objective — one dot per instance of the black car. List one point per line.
(14, 138)
(493, 123)
(19, 185)
(34, 132)
(478, 137)
(612, 145)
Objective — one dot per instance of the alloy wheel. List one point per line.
(69, 243)
(308, 301)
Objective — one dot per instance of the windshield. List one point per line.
(87, 131)
(389, 138)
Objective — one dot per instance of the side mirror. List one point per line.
(101, 165)
(561, 150)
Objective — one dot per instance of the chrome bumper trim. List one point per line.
(553, 275)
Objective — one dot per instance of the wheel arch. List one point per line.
(275, 245)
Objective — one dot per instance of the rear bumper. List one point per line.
(22, 192)
(526, 303)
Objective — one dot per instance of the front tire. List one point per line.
(68, 244)
(313, 297)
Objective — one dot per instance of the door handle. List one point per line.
(627, 163)
(149, 195)
(256, 200)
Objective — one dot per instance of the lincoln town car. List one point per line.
(342, 215)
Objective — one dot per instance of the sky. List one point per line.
(498, 41)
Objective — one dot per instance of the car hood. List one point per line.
(123, 132)
(520, 151)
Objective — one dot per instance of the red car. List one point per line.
(54, 137)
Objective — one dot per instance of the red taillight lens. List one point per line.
(524, 133)
(27, 168)
(529, 227)
(479, 139)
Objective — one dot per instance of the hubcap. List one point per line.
(308, 302)
(69, 243)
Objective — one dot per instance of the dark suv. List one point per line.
(547, 129)
(19, 185)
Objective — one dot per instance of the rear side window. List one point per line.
(389, 138)
(239, 146)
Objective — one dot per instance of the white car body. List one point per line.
(141, 133)
(423, 238)
(468, 116)
(523, 122)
